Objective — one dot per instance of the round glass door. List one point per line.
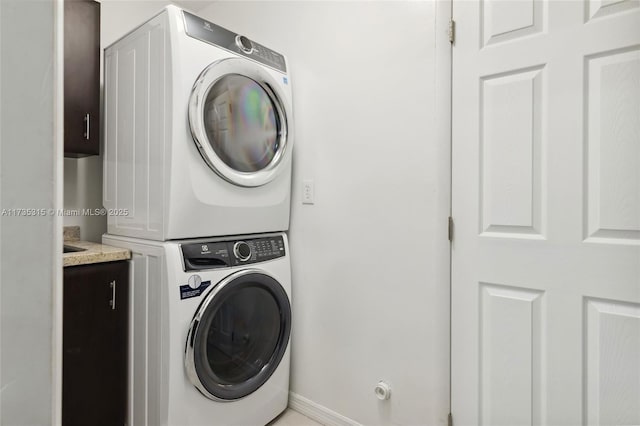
(239, 122)
(238, 336)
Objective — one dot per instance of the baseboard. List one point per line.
(317, 412)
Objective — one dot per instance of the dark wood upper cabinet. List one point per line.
(95, 344)
(81, 78)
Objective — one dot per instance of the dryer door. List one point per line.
(239, 121)
(238, 335)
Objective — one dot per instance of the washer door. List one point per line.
(238, 335)
(239, 121)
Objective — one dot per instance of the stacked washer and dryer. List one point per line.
(197, 169)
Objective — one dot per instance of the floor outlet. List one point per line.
(307, 192)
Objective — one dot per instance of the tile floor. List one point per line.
(293, 418)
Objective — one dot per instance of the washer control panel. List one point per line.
(223, 254)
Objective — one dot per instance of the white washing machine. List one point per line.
(198, 132)
(210, 327)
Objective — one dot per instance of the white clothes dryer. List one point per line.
(198, 132)
(210, 328)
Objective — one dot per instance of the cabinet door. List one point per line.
(95, 344)
(81, 78)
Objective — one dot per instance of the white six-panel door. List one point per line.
(546, 204)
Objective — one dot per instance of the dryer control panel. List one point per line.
(209, 32)
(227, 253)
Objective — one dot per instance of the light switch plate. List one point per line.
(308, 192)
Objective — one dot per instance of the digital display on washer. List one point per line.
(223, 254)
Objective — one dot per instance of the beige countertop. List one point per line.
(90, 252)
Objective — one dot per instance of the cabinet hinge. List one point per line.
(450, 420)
(452, 31)
(450, 228)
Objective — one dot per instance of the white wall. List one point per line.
(83, 176)
(370, 258)
(118, 17)
(83, 190)
(30, 246)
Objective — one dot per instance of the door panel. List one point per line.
(612, 182)
(510, 147)
(510, 378)
(546, 204)
(612, 346)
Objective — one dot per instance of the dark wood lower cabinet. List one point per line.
(95, 344)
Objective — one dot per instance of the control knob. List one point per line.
(244, 44)
(242, 250)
